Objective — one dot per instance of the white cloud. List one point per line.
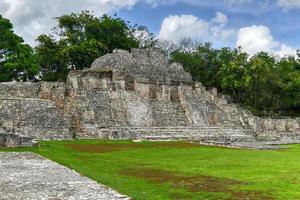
(218, 3)
(177, 27)
(289, 4)
(144, 37)
(156, 3)
(220, 18)
(286, 50)
(253, 39)
(233, 2)
(34, 17)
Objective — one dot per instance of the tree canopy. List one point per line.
(266, 84)
(17, 60)
(79, 39)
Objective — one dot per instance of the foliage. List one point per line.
(202, 63)
(265, 84)
(17, 60)
(81, 38)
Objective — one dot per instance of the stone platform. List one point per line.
(27, 176)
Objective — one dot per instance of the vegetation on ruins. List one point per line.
(266, 84)
(178, 170)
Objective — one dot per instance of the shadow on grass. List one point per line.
(198, 183)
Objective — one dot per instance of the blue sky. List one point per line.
(283, 22)
(269, 25)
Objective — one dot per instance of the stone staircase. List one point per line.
(175, 133)
(168, 113)
(206, 108)
(100, 103)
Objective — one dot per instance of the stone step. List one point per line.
(177, 129)
(202, 138)
(179, 132)
(203, 134)
(164, 138)
(191, 132)
(167, 127)
(167, 113)
(195, 135)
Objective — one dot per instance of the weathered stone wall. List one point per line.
(18, 90)
(132, 95)
(33, 110)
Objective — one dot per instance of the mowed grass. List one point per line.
(177, 170)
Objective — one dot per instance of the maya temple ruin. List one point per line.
(134, 95)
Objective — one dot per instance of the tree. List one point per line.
(202, 62)
(233, 73)
(289, 72)
(17, 60)
(144, 37)
(81, 38)
(262, 83)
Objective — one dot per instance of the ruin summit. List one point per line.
(132, 95)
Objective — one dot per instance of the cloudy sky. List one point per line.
(255, 25)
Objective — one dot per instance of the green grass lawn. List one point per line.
(180, 171)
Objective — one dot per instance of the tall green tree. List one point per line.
(17, 60)
(263, 82)
(233, 75)
(289, 82)
(202, 63)
(79, 39)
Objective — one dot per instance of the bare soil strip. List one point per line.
(199, 183)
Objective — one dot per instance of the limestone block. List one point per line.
(267, 124)
(291, 125)
(280, 125)
(18, 90)
(142, 89)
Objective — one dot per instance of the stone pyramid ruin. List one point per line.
(135, 95)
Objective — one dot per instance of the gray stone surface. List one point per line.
(134, 95)
(142, 64)
(11, 141)
(27, 176)
(33, 117)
